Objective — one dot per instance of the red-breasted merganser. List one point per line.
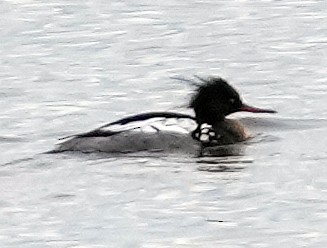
(213, 100)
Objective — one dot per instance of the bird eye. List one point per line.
(232, 100)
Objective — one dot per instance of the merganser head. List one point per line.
(215, 99)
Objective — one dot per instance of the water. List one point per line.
(68, 67)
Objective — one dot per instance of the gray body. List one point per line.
(133, 141)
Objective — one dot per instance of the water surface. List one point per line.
(70, 67)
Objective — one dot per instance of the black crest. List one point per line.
(213, 100)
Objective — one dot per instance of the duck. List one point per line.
(213, 101)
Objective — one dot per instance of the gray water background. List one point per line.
(70, 66)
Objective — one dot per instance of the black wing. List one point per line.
(139, 117)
